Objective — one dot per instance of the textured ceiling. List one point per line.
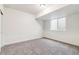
(31, 8)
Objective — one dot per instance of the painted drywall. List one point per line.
(71, 35)
(43, 25)
(19, 26)
(0, 28)
(2, 9)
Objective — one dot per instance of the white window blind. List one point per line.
(53, 24)
(58, 24)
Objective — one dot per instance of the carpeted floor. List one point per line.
(40, 47)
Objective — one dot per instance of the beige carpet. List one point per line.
(40, 47)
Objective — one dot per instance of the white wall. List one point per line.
(1, 7)
(19, 26)
(0, 28)
(71, 35)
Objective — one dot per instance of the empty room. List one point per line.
(39, 29)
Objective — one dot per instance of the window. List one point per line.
(58, 24)
(53, 24)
